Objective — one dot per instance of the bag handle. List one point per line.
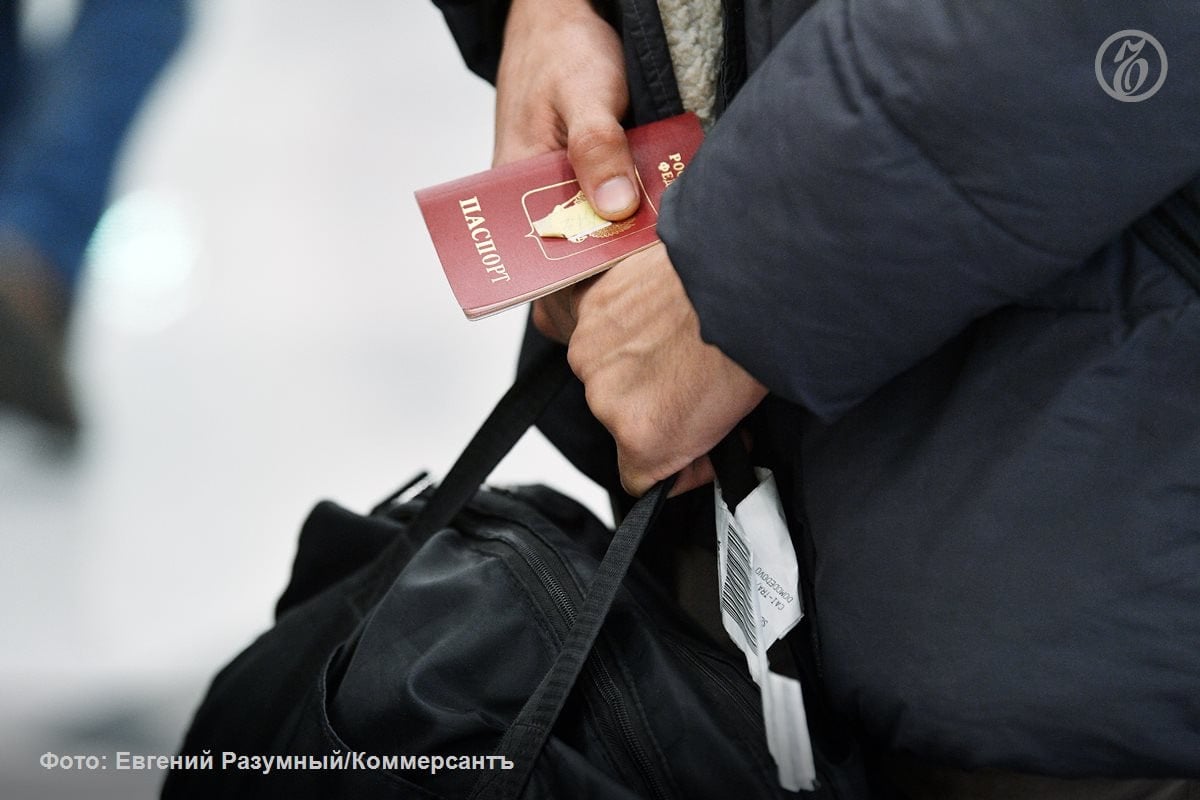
(516, 412)
(525, 737)
(530, 394)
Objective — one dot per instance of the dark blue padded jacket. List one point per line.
(939, 240)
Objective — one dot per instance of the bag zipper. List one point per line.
(748, 709)
(564, 603)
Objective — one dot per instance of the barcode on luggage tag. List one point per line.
(758, 543)
(735, 594)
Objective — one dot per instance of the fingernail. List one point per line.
(615, 195)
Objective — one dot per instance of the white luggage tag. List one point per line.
(759, 580)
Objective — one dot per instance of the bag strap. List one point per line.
(532, 390)
(516, 412)
(523, 741)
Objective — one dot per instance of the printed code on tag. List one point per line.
(735, 594)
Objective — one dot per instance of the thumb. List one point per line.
(599, 154)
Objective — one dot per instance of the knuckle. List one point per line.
(636, 475)
(594, 144)
(578, 361)
(634, 436)
(605, 405)
(632, 483)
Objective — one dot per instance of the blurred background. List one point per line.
(261, 323)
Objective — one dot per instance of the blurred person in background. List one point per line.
(65, 107)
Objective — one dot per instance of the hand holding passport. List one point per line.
(517, 233)
(523, 230)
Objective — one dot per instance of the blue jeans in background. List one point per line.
(64, 112)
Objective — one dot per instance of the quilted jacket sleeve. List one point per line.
(894, 170)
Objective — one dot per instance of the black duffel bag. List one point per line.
(421, 650)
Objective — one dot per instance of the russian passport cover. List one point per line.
(514, 233)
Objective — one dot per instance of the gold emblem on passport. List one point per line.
(573, 220)
(564, 223)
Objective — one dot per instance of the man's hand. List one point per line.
(561, 84)
(664, 394)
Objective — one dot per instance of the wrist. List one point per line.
(532, 15)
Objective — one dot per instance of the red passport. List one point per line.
(512, 234)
